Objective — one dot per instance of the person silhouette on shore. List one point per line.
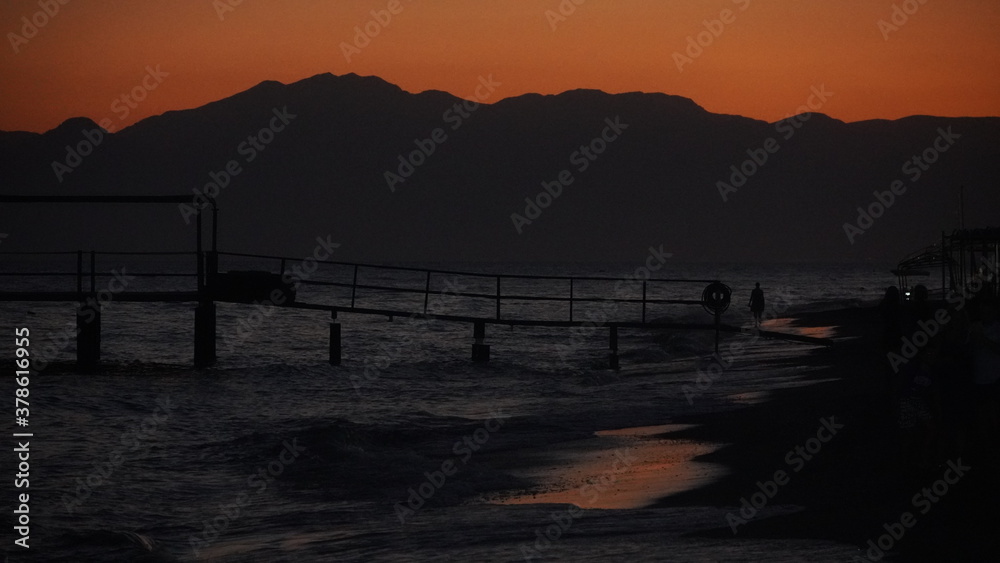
(757, 304)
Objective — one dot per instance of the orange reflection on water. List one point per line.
(618, 469)
(788, 325)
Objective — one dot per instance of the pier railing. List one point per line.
(499, 291)
(85, 272)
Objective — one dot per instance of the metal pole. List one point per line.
(718, 320)
(498, 298)
(480, 350)
(570, 300)
(93, 271)
(643, 301)
(335, 346)
(354, 285)
(79, 272)
(613, 356)
(427, 291)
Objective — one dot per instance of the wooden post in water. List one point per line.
(88, 335)
(613, 356)
(204, 334)
(334, 340)
(718, 322)
(480, 351)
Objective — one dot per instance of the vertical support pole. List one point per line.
(201, 256)
(644, 301)
(571, 300)
(204, 313)
(204, 334)
(427, 292)
(211, 271)
(354, 286)
(613, 356)
(498, 298)
(718, 322)
(93, 272)
(335, 348)
(88, 336)
(480, 351)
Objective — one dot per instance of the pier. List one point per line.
(340, 288)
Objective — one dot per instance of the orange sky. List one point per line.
(944, 61)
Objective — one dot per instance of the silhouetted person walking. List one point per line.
(757, 304)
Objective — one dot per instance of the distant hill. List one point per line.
(656, 183)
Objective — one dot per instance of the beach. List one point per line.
(817, 461)
(769, 450)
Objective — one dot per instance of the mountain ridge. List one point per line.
(659, 180)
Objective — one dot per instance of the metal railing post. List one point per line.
(427, 291)
(644, 301)
(354, 286)
(571, 300)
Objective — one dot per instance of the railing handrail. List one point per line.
(574, 293)
(469, 274)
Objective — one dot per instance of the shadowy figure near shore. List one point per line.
(757, 304)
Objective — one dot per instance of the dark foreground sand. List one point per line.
(855, 488)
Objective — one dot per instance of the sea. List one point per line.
(408, 450)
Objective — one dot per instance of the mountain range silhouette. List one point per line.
(337, 149)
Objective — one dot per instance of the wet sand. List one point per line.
(616, 469)
(855, 484)
(820, 459)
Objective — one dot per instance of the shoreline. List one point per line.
(819, 459)
(854, 485)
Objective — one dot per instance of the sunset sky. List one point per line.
(943, 60)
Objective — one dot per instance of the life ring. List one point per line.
(716, 298)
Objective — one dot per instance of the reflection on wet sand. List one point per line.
(617, 469)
